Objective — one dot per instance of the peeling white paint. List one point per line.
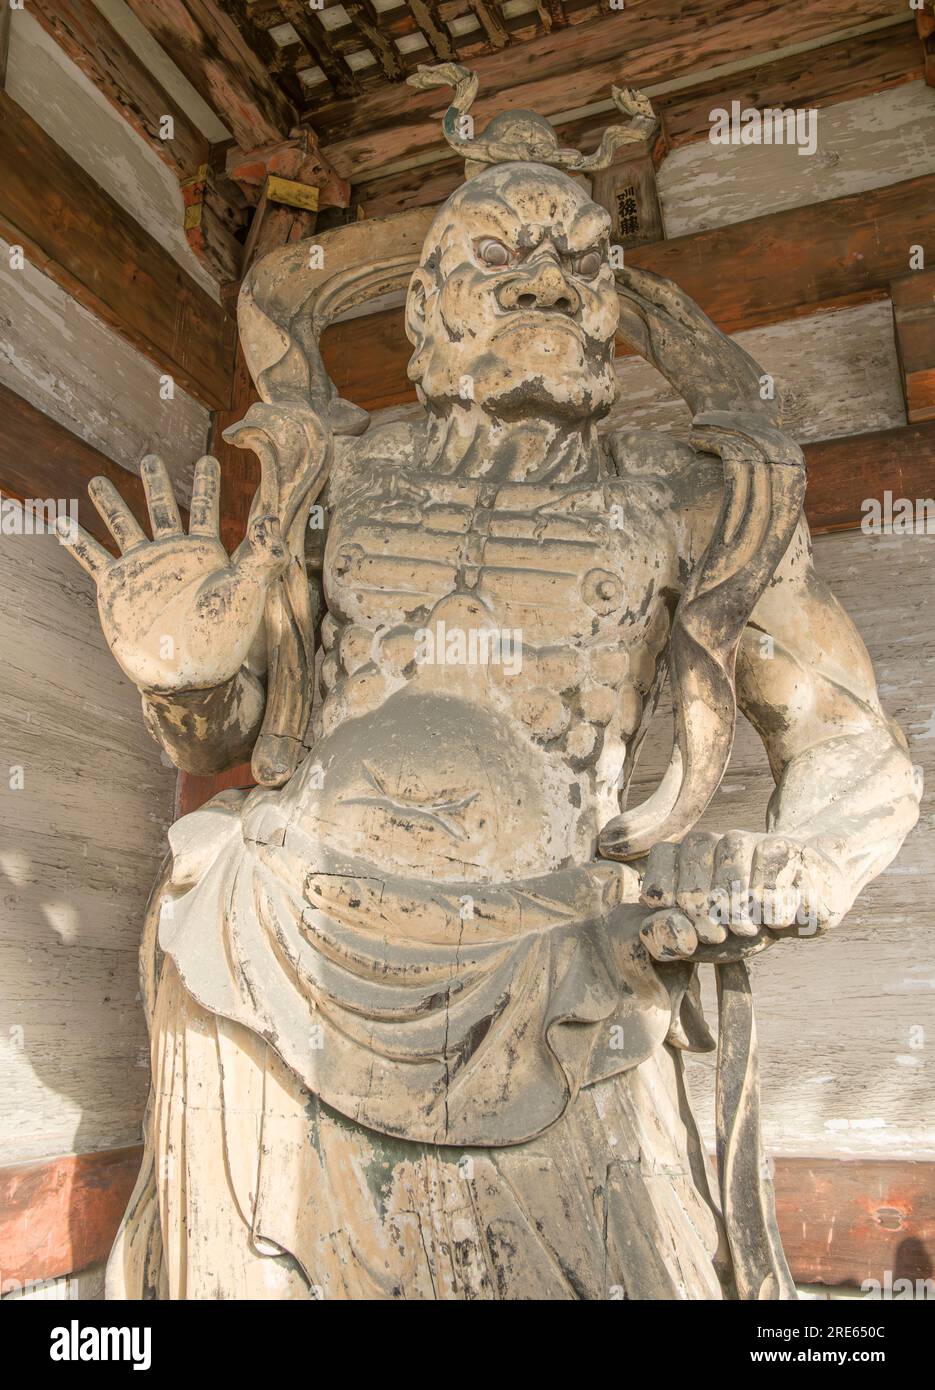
(836, 372)
(866, 143)
(76, 369)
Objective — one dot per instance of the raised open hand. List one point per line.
(178, 613)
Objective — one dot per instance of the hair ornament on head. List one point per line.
(515, 136)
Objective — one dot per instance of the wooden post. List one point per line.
(914, 323)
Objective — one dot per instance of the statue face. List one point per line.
(514, 306)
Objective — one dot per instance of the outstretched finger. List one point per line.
(206, 492)
(92, 558)
(116, 515)
(160, 499)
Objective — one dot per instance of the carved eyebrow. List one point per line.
(589, 228)
(500, 216)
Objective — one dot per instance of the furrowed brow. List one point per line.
(495, 218)
(589, 228)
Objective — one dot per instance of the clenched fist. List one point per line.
(722, 897)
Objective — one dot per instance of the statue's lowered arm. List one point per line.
(846, 789)
(756, 628)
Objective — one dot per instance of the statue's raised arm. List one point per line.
(222, 647)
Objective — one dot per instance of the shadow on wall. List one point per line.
(85, 802)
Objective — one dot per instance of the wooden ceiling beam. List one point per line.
(84, 240)
(844, 473)
(206, 44)
(839, 71)
(746, 275)
(794, 262)
(643, 45)
(94, 46)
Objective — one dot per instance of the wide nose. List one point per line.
(541, 285)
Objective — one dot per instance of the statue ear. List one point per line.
(420, 287)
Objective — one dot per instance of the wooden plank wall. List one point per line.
(52, 89)
(63, 358)
(867, 143)
(81, 843)
(67, 363)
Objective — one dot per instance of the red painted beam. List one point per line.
(60, 1215)
(842, 1220)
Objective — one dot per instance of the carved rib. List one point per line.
(497, 35)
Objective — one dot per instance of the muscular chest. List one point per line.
(576, 565)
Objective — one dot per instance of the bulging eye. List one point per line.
(493, 252)
(588, 264)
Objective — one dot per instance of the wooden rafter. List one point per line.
(365, 18)
(491, 22)
(279, 62)
(84, 34)
(211, 51)
(552, 13)
(313, 34)
(425, 13)
(374, 31)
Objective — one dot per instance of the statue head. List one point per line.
(514, 304)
